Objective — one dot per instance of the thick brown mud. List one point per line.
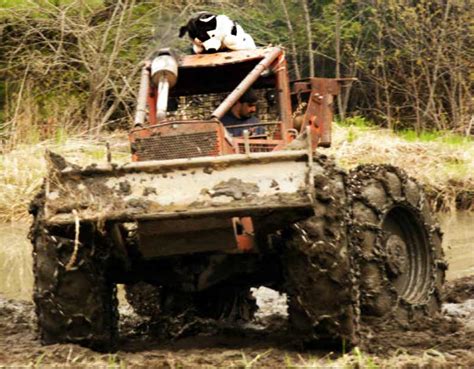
(445, 341)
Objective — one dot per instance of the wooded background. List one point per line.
(73, 66)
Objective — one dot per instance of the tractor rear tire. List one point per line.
(319, 274)
(396, 244)
(75, 303)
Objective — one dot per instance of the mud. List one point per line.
(460, 290)
(445, 341)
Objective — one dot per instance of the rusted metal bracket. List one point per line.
(320, 106)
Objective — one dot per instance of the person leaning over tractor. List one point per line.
(242, 114)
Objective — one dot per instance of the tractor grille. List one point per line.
(177, 147)
(257, 147)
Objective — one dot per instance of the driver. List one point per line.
(242, 114)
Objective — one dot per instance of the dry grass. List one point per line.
(358, 359)
(78, 357)
(447, 170)
(22, 170)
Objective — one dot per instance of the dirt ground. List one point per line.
(445, 341)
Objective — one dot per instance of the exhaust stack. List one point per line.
(164, 74)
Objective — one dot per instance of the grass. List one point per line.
(443, 162)
(447, 138)
(39, 3)
(358, 124)
(15, 261)
(81, 357)
(22, 170)
(248, 363)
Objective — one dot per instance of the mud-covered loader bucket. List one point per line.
(227, 186)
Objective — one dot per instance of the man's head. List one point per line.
(246, 106)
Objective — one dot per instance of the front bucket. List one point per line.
(227, 186)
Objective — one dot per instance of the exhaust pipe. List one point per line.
(164, 74)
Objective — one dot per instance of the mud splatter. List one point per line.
(235, 188)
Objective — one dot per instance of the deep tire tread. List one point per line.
(77, 305)
(320, 274)
(378, 296)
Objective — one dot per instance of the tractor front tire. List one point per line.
(319, 274)
(75, 302)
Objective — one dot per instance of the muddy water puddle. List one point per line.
(16, 278)
(458, 243)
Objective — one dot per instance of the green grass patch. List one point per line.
(412, 136)
(444, 137)
(356, 126)
(357, 121)
(456, 170)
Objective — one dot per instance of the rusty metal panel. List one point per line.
(319, 113)
(284, 97)
(179, 139)
(183, 236)
(221, 58)
(257, 145)
(231, 185)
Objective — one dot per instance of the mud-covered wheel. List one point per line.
(154, 302)
(396, 243)
(322, 298)
(75, 302)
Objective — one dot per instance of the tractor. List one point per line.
(198, 217)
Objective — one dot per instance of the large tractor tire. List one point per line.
(75, 302)
(231, 304)
(396, 244)
(319, 274)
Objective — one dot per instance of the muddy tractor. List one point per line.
(199, 216)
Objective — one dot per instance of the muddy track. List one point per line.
(444, 342)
